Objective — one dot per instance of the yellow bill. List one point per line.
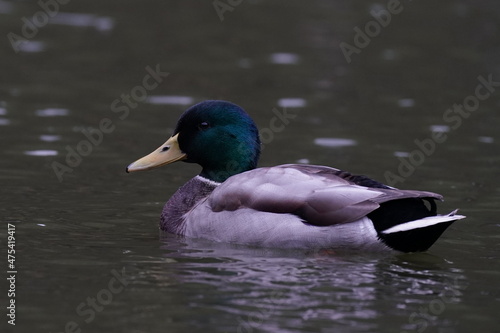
(167, 153)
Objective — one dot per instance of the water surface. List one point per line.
(89, 253)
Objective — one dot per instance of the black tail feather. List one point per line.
(397, 212)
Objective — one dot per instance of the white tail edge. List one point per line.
(425, 222)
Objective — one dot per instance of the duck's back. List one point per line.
(320, 195)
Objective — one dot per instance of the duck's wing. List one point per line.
(319, 195)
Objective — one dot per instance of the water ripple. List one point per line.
(334, 142)
(52, 112)
(31, 46)
(50, 138)
(175, 100)
(41, 152)
(285, 58)
(101, 23)
(292, 102)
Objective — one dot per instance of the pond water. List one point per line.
(404, 92)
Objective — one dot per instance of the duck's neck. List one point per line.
(183, 201)
(220, 175)
(232, 162)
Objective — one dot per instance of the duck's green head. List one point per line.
(218, 135)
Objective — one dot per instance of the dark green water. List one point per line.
(89, 257)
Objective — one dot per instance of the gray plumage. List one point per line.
(294, 206)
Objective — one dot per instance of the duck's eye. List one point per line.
(204, 125)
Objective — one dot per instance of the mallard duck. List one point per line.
(286, 206)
